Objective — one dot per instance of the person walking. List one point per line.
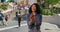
(18, 17)
(6, 19)
(34, 18)
(1, 18)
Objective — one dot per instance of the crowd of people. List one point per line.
(2, 18)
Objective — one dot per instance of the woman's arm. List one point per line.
(29, 19)
(30, 22)
(38, 19)
(35, 20)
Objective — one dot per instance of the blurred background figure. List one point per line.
(6, 19)
(1, 18)
(18, 15)
(26, 9)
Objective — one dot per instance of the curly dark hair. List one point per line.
(38, 10)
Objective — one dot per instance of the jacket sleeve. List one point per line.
(39, 19)
(27, 18)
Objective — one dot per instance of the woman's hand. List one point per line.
(35, 20)
(31, 19)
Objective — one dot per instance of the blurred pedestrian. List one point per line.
(26, 9)
(1, 18)
(18, 17)
(19, 7)
(34, 18)
(6, 19)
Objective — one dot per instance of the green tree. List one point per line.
(4, 6)
(10, 0)
(52, 1)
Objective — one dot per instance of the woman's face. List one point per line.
(33, 8)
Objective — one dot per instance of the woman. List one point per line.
(6, 19)
(34, 18)
(18, 15)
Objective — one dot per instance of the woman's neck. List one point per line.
(34, 13)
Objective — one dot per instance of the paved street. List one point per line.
(12, 27)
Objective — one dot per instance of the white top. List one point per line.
(26, 8)
(59, 14)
